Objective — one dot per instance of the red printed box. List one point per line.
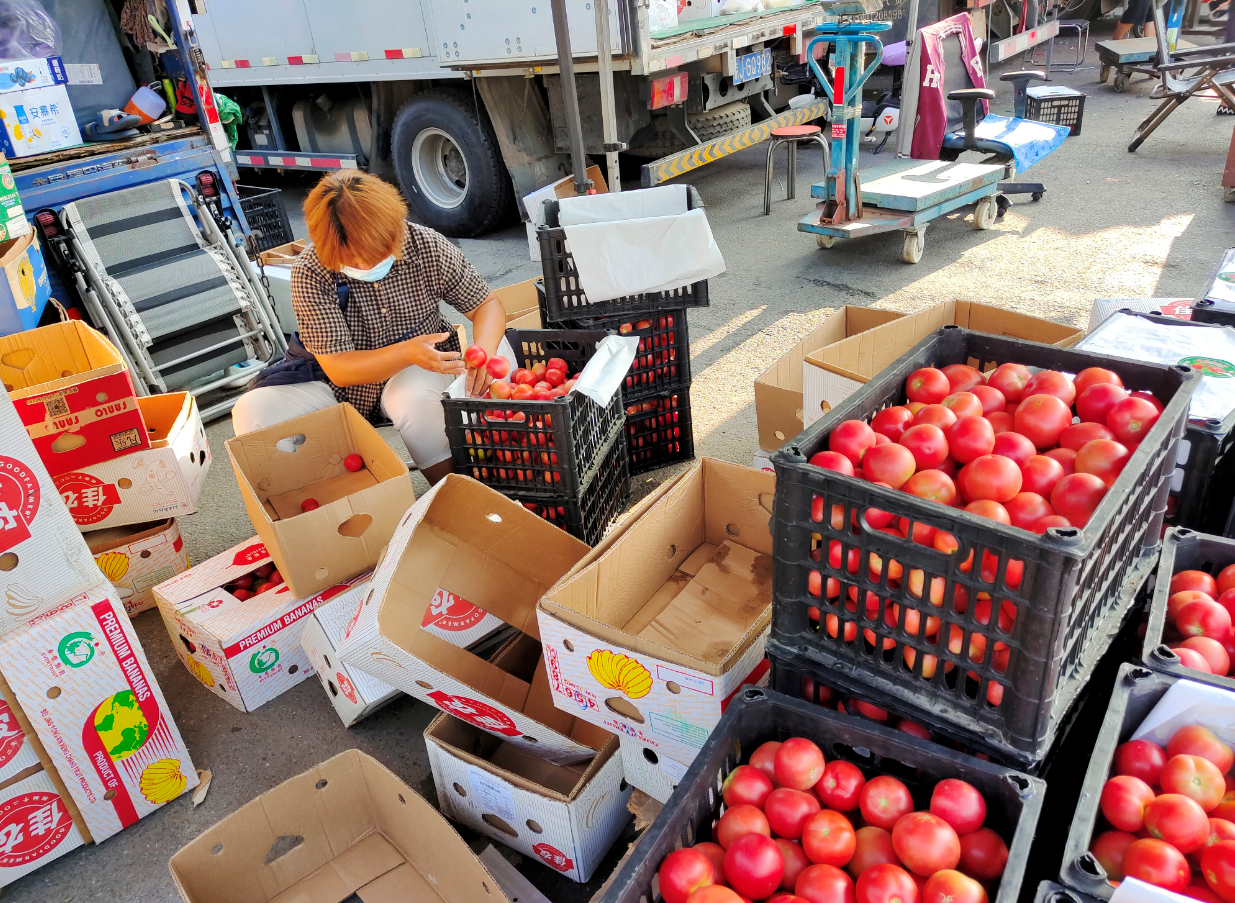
(74, 395)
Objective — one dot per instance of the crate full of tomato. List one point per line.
(966, 531)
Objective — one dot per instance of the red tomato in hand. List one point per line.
(1178, 820)
(1042, 419)
(795, 863)
(746, 785)
(787, 811)
(1078, 434)
(852, 438)
(959, 804)
(1194, 777)
(753, 866)
(984, 855)
(891, 422)
(891, 463)
(927, 443)
(825, 884)
(969, 438)
(1141, 759)
(1051, 382)
(887, 884)
(841, 785)
(963, 404)
(1014, 446)
(1195, 740)
(951, 886)
(1010, 380)
(828, 838)
(962, 377)
(933, 485)
(1095, 403)
(928, 385)
(682, 873)
(1077, 496)
(883, 801)
(1123, 802)
(1109, 848)
(926, 843)
(992, 477)
(798, 763)
(1157, 862)
(874, 847)
(1131, 420)
(739, 821)
(1104, 458)
(1218, 867)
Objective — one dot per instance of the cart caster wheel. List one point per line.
(1228, 195)
(984, 213)
(1121, 82)
(1104, 74)
(825, 241)
(1037, 196)
(914, 243)
(1003, 204)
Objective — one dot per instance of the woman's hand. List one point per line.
(478, 382)
(421, 353)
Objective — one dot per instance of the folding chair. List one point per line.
(1213, 68)
(171, 288)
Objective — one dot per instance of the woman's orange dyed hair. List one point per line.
(355, 219)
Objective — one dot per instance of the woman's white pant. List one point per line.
(412, 400)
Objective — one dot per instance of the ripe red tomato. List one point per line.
(1104, 458)
(1131, 420)
(1149, 396)
(1196, 740)
(1204, 618)
(1176, 603)
(1009, 379)
(913, 729)
(1042, 419)
(682, 873)
(715, 893)
(739, 821)
(926, 843)
(795, 863)
(787, 811)
(992, 477)
(951, 886)
(746, 785)
(1157, 862)
(874, 847)
(825, 884)
(1109, 848)
(1195, 580)
(891, 422)
(851, 438)
(990, 510)
(1123, 802)
(891, 463)
(1027, 508)
(884, 800)
(1141, 759)
(840, 786)
(992, 400)
(959, 804)
(963, 404)
(935, 415)
(753, 866)
(1092, 376)
(1014, 446)
(1215, 655)
(928, 385)
(933, 485)
(830, 460)
(962, 377)
(798, 764)
(1095, 403)
(1190, 658)
(969, 438)
(983, 855)
(887, 884)
(1066, 457)
(927, 443)
(716, 855)
(1075, 436)
(1178, 820)
(828, 838)
(1194, 777)
(1076, 497)
(1226, 578)
(1051, 382)
(1040, 474)
(1218, 867)
(1001, 422)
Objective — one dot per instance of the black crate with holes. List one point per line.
(755, 716)
(1050, 892)
(658, 431)
(263, 210)
(1203, 485)
(1057, 106)
(564, 299)
(995, 637)
(538, 448)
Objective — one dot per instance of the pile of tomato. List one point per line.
(1199, 611)
(1171, 814)
(255, 582)
(797, 829)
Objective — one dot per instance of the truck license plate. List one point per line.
(752, 66)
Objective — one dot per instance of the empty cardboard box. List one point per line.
(652, 633)
(281, 467)
(138, 558)
(655, 774)
(354, 694)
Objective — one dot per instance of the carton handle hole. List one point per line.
(459, 788)
(290, 444)
(570, 647)
(216, 849)
(650, 755)
(499, 825)
(622, 706)
(8, 561)
(356, 525)
(284, 844)
(534, 827)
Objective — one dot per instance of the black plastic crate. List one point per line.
(1013, 799)
(564, 299)
(1067, 110)
(1203, 485)
(1050, 892)
(588, 517)
(1219, 312)
(1182, 550)
(268, 222)
(540, 448)
(659, 432)
(1137, 690)
(1076, 585)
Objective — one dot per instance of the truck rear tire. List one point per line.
(449, 164)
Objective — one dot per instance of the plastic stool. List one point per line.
(1081, 27)
(791, 135)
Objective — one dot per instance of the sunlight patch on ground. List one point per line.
(700, 345)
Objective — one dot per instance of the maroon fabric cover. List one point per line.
(931, 123)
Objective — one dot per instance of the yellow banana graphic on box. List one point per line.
(113, 564)
(618, 671)
(200, 671)
(162, 781)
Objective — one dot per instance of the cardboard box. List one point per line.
(36, 826)
(245, 649)
(279, 467)
(354, 694)
(763, 461)
(567, 816)
(162, 481)
(1179, 308)
(778, 391)
(655, 774)
(74, 395)
(653, 632)
(13, 222)
(283, 255)
(522, 303)
(26, 75)
(832, 374)
(138, 558)
(360, 830)
(25, 288)
(465, 538)
(37, 121)
(18, 749)
(43, 557)
(82, 678)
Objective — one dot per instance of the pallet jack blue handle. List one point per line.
(857, 34)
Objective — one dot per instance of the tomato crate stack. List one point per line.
(549, 455)
(909, 767)
(1061, 596)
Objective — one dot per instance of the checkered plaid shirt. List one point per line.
(400, 306)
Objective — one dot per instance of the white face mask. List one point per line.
(376, 274)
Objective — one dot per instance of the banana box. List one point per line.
(236, 625)
(36, 826)
(654, 773)
(81, 677)
(18, 752)
(138, 558)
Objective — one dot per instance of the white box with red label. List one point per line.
(457, 620)
(138, 558)
(654, 773)
(354, 694)
(565, 816)
(82, 679)
(164, 480)
(229, 620)
(43, 558)
(17, 752)
(35, 827)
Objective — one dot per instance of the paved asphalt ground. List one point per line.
(1112, 224)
